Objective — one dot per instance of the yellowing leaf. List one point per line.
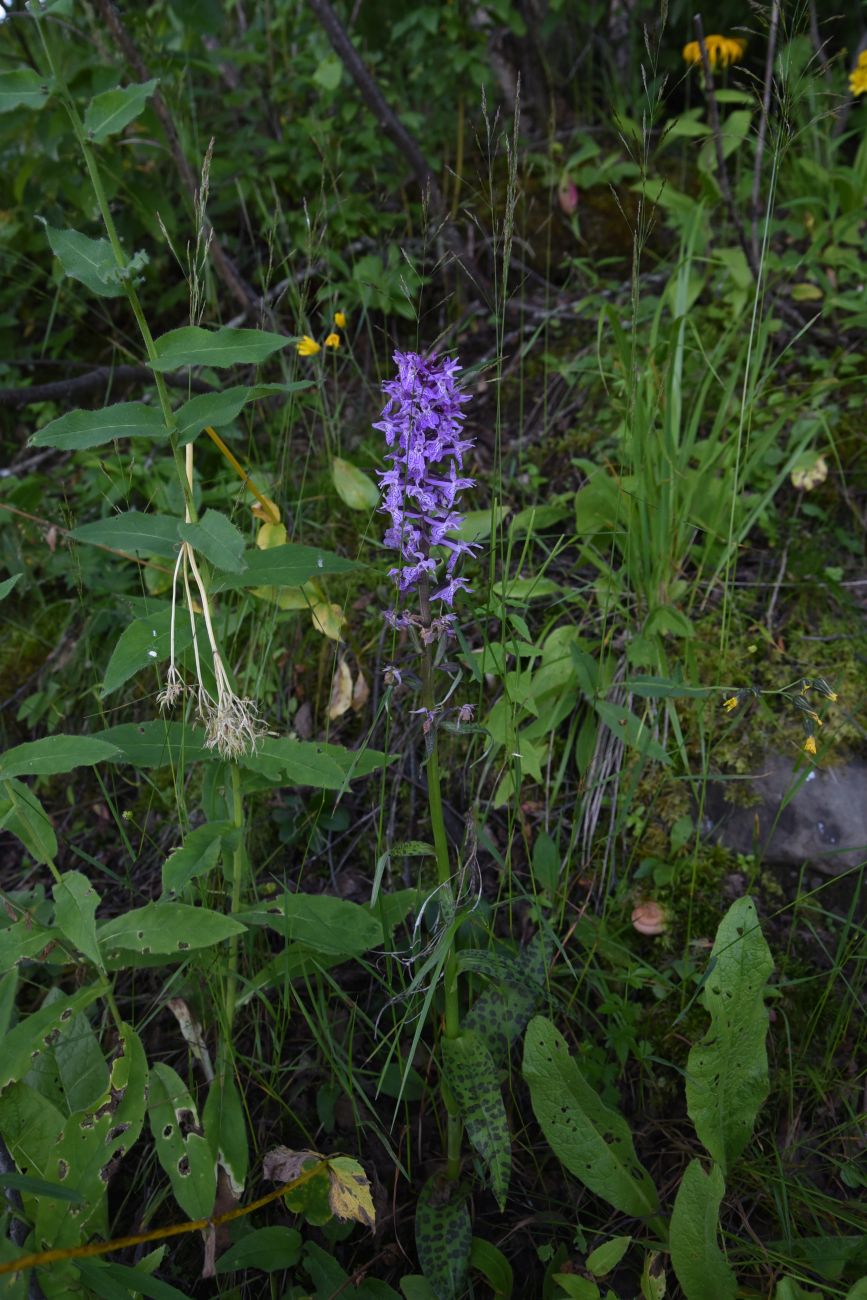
(808, 477)
(354, 488)
(328, 619)
(806, 292)
(341, 690)
(349, 1191)
(266, 510)
(270, 534)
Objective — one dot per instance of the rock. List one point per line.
(804, 814)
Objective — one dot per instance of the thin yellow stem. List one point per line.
(268, 506)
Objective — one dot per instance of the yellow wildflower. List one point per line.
(721, 50)
(810, 745)
(730, 704)
(340, 320)
(858, 78)
(308, 347)
(333, 341)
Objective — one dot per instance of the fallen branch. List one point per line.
(61, 389)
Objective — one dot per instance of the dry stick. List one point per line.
(755, 205)
(394, 129)
(722, 173)
(58, 389)
(223, 264)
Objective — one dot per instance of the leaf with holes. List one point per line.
(443, 1236)
(182, 1148)
(592, 1140)
(727, 1072)
(110, 112)
(78, 430)
(226, 1130)
(193, 346)
(472, 1079)
(696, 1258)
(175, 928)
(31, 1036)
(75, 904)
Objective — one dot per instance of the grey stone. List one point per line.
(804, 814)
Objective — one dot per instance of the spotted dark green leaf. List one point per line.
(472, 1079)
(443, 1236)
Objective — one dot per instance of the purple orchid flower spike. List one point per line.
(423, 424)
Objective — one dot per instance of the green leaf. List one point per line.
(607, 1256)
(22, 814)
(727, 1072)
(218, 540)
(472, 1079)
(226, 1130)
(221, 408)
(7, 584)
(199, 855)
(329, 72)
(166, 928)
(133, 531)
(182, 1149)
(22, 88)
(118, 1282)
(38, 1187)
(631, 729)
(696, 1258)
(289, 565)
(268, 1249)
(296, 762)
(32, 1036)
(53, 755)
(443, 1236)
(75, 904)
(90, 261)
(81, 1066)
(665, 618)
(576, 1287)
(591, 1140)
(110, 112)
(22, 940)
(501, 1012)
(193, 346)
(147, 641)
(477, 524)
(353, 487)
(77, 430)
(157, 743)
(320, 921)
(489, 1260)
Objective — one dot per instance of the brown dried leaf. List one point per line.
(341, 690)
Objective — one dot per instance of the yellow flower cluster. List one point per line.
(308, 347)
(721, 50)
(858, 77)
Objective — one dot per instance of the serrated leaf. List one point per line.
(77, 430)
(53, 755)
(166, 928)
(472, 1079)
(133, 532)
(349, 1191)
(696, 1258)
(592, 1140)
(268, 1249)
(110, 112)
(22, 814)
(290, 565)
(320, 921)
(90, 261)
(22, 88)
(182, 1148)
(199, 855)
(443, 1236)
(193, 346)
(32, 1036)
(218, 540)
(75, 904)
(727, 1072)
(353, 486)
(146, 642)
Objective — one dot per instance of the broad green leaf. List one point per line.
(54, 754)
(592, 1140)
(81, 1066)
(490, 1261)
(218, 540)
(166, 928)
(110, 112)
(112, 1281)
(268, 1249)
(147, 641)
(30, 1124)
(75, 904)
(133, 531)
(7, 584)
(199, 855)
(221, 408)
(472, 1079)
(477, 524)
(443, 1236)
(353, 486)
(858, 1291)
(727, 1072)
(182, 1148)
(157, 743)
(32, 1036)
(37, 1187)
(289, 565)
(576, 1287)
(23, 940)
(193, 346)
(296, 762)
(77, 430)
(22, 814)
(320, 921)
(502, 1010)
(696, 1258)
(22, 88)
(631, 729)
(665, 618)
(607, 1256)
(226, 1130)
(90, 261)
